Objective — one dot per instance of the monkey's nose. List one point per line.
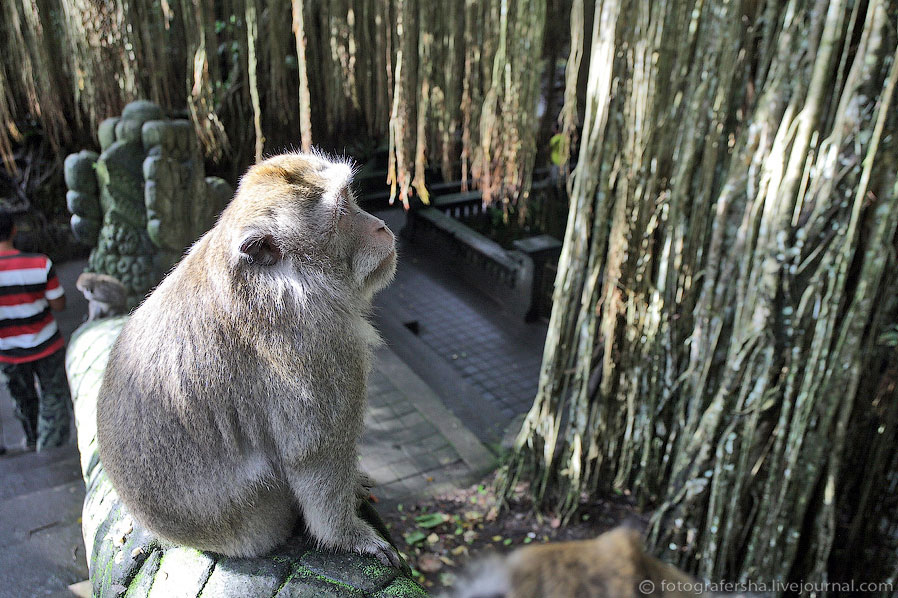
(381, 229)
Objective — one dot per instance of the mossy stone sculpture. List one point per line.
(144, 199)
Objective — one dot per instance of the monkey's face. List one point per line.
(85, 283)
(368, 243)
(296, 211)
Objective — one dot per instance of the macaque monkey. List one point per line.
(106, 296)
(234, 397)
(613, 565)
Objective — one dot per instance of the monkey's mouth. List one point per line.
(388, 261)
(385, 267)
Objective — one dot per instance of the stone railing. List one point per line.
(505, 276)
(517, 279)
(126, 560)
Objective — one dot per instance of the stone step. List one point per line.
(28, 472)
(41, 550)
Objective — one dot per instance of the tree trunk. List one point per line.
(719, 295)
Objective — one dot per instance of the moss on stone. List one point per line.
(402, 587)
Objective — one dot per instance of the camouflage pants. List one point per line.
(44, 417)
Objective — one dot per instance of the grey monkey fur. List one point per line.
(234, 396)
(106, 296)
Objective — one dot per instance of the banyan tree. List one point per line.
(449, 86)
(723, 340)
(722, 344)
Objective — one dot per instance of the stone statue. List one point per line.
(144, 199)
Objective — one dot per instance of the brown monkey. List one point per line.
(106, 296)
(613, 565)
(234, 396)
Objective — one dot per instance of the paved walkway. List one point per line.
(412, 446)
(482, 361)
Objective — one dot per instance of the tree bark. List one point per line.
(733, 222)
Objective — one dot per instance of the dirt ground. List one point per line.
(440, 535)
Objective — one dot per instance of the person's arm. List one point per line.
(53, 291)
(57, 304)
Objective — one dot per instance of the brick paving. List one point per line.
(465, 334)
(412, 445)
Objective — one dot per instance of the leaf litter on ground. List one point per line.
(439, 535)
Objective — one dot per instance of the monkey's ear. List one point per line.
(258, 248)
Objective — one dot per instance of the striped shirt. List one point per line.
(28, 330)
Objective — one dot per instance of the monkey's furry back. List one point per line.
(222, 369)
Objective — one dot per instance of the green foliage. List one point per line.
(430, 520)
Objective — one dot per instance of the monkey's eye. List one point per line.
(343, 204)
(343, 214)
(346, 206)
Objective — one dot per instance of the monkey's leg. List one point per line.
(326, 493)
(260, 520)
(93, 311)
(260, 528)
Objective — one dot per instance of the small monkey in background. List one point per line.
(613, 565)
(106, 296)
(234, 397)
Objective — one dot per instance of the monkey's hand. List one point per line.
(329, 504)
(380, 549)
(363, 490)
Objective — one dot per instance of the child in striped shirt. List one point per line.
(31, 346)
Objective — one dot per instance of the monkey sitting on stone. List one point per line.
(613, 565)
(234, 397)
(106, 296)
